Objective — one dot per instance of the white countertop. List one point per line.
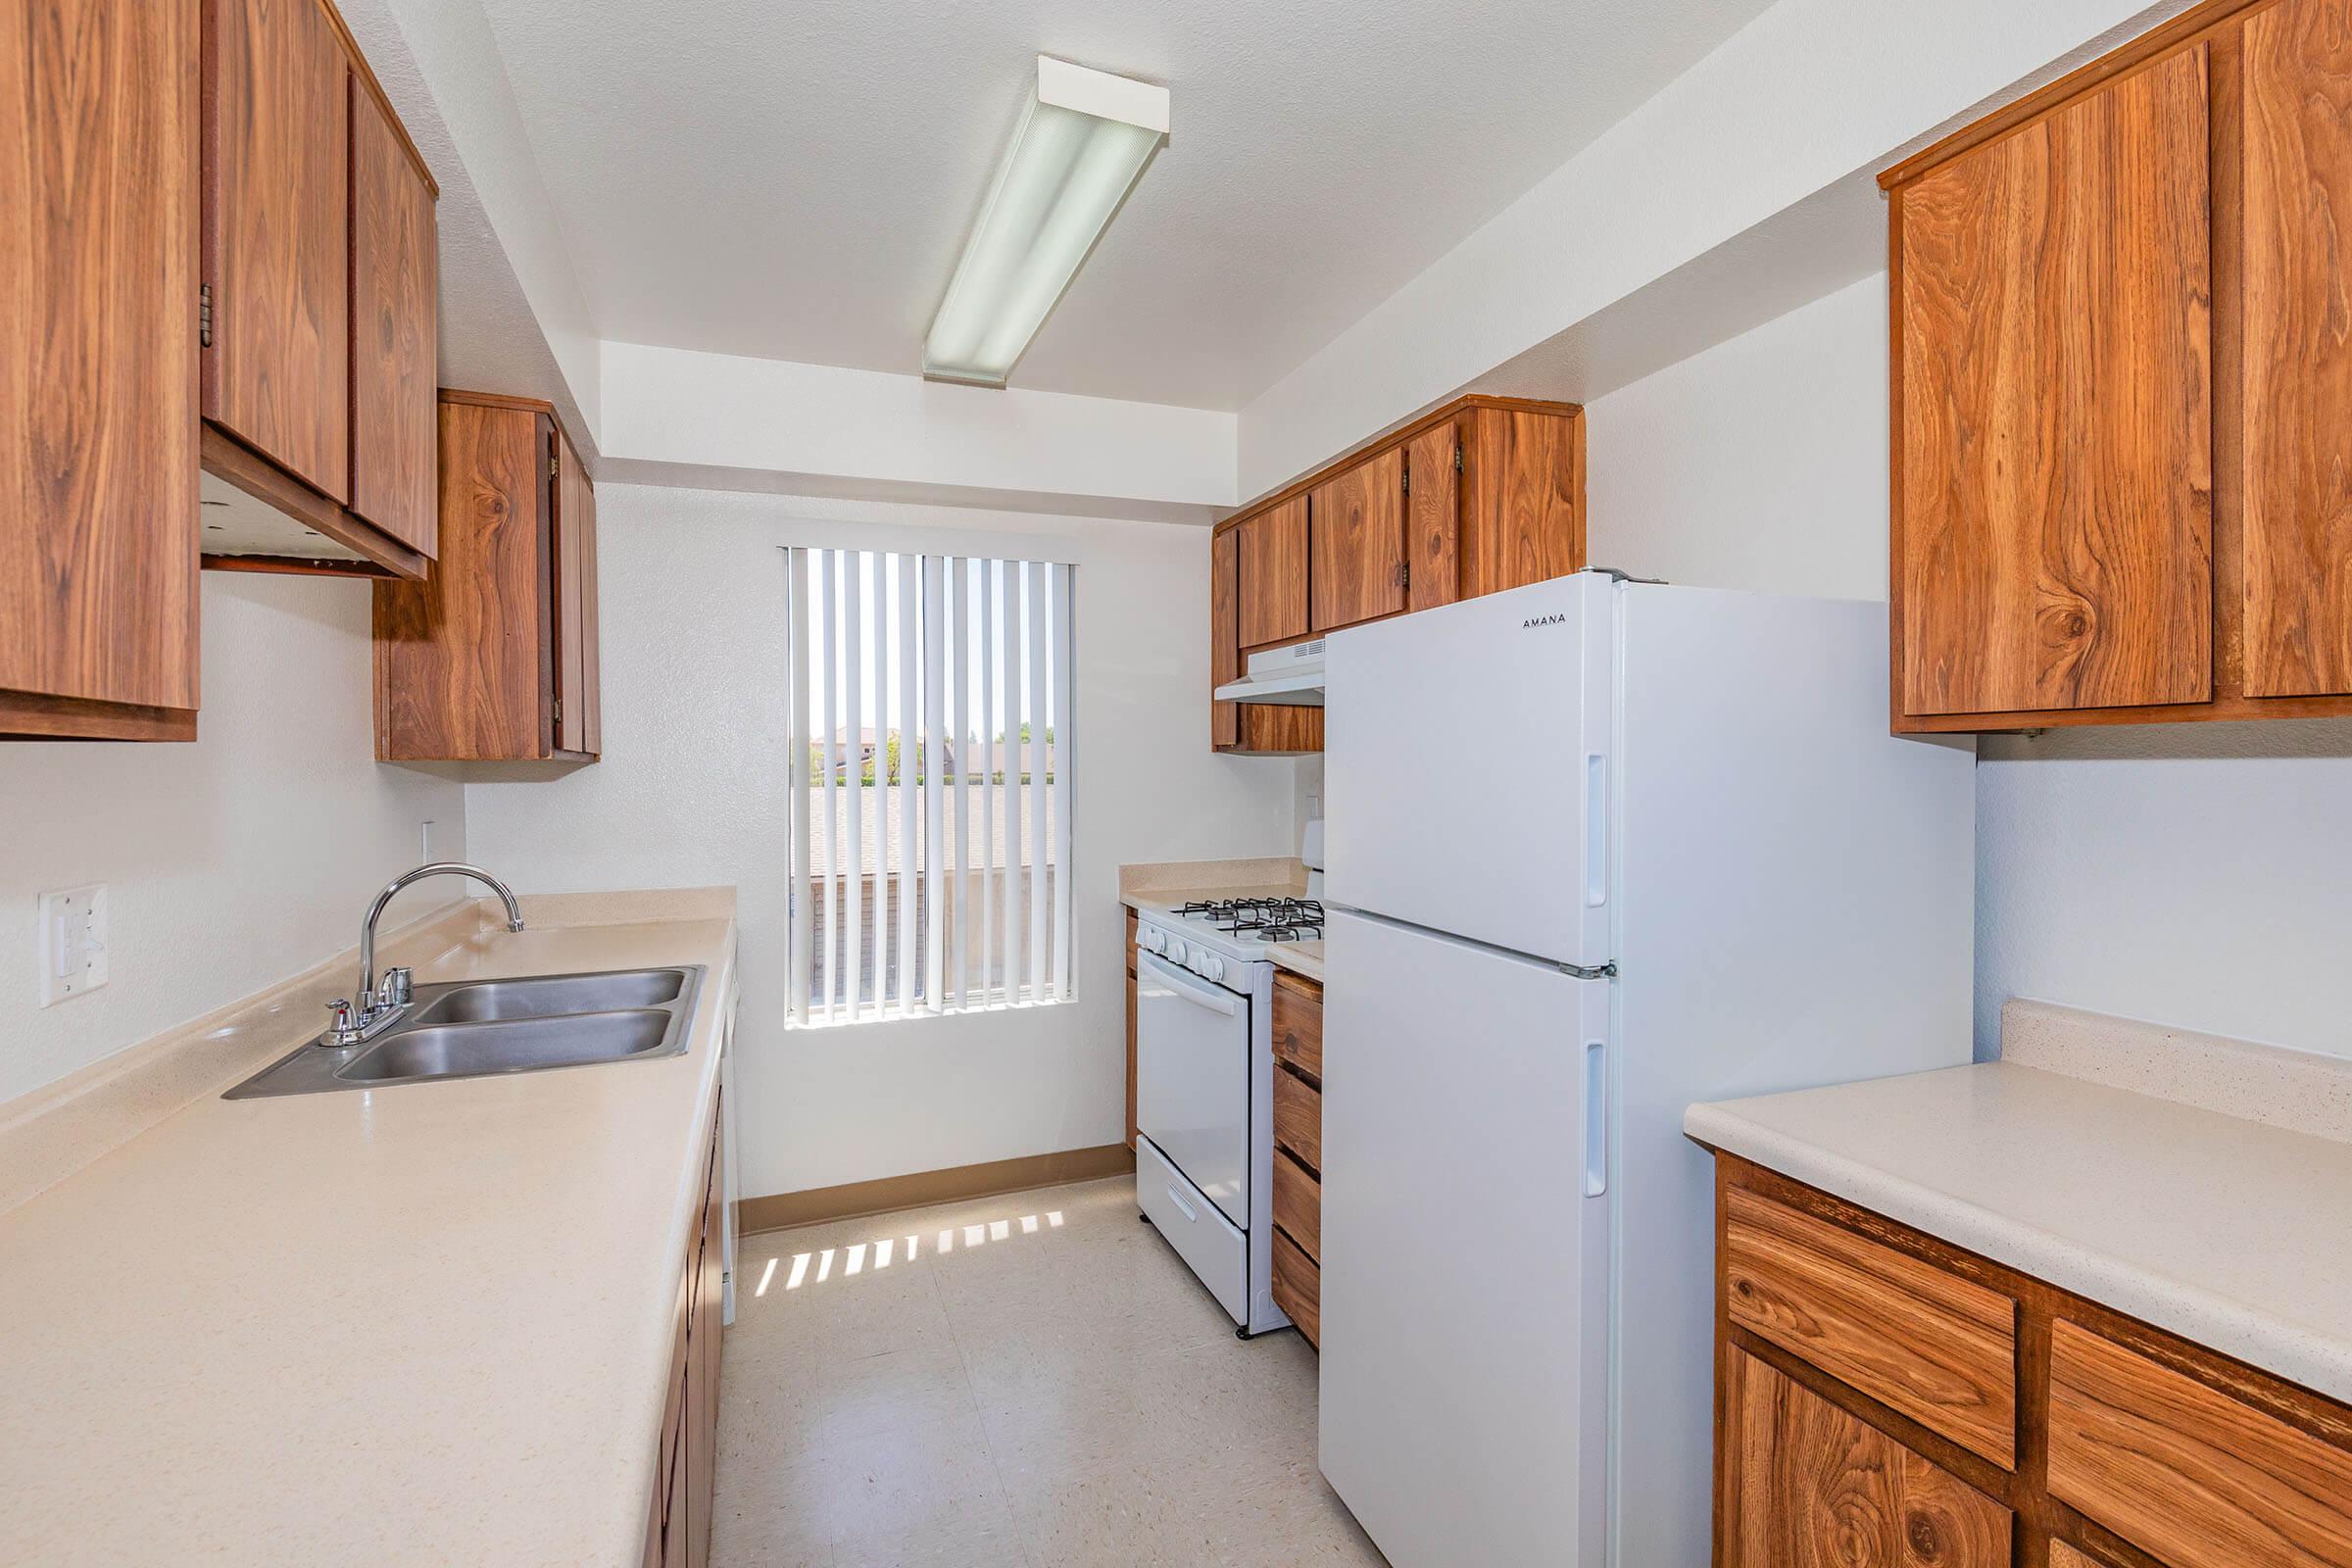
(428, 1323)
(2225, 1230)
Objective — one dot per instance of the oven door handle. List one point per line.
(1197, 992)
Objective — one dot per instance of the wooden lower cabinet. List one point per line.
(1299, 1151)
(1804, 1484)
(1886, 1399)
(678, 1513)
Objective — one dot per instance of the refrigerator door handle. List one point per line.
(1597, 1118)
(1596, 830)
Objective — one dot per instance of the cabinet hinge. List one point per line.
(1457, 460)
(559, 710)
(1408, 480)
(1404, 574)
(204, 316)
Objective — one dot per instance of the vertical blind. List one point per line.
(929, 779)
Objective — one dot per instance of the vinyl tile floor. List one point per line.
(1032, 1380)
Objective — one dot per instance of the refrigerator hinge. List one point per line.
(1607, 971)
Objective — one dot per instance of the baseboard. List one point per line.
(783, 1212)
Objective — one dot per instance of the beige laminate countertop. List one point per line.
(2224, 1230)
(422, 1324)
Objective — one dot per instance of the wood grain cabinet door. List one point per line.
(277, 375)
(1432, 517)
(394, 326)
(98, 367)
(2053, 543)
(579, 715)
(1807, 1485)
(1357, 556)
(1224, 636)
(2297, 215)
(1273, 575)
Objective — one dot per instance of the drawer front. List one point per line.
(1299, 1205)
(1299, 1118)
(1202, 1236)
(1940, 1349)
(2184, 1471)
(1298, 1024)
(1298, 1287)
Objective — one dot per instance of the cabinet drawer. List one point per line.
(1940, 1349)
(1298, 1287)
(1298, 1024)
(2193, 1475)
(1299, 1118)
(1299, 1205)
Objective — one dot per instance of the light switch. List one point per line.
(73, 943)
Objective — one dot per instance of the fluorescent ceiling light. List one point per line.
(1082, 144)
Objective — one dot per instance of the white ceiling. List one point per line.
(792, 179)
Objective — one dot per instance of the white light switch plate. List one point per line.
(73, 943)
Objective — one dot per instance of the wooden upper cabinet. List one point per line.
(492, 657)
(579, 720)
(98, 370)
(1224, 637)
(321, 289)
(395, 320)
(2123, 420)
(1357, 561)
(1523, 492)
(1273, 575)
(277, 247)
(2056, 422)
(2296, 558)
(1432, 517)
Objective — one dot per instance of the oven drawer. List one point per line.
(1202, 1236)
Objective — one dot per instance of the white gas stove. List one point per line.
(1205, 937)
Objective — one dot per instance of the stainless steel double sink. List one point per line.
(478, 1028)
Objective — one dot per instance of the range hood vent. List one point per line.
(1290, 677)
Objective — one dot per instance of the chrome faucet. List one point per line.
(380, 1005)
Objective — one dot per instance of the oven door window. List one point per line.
(1192, 1080)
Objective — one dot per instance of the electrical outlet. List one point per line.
(424, 842)
(73, 943)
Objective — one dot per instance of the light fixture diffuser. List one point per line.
(1081, 145)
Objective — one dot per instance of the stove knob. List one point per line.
(1175, 951)
(1212, 967)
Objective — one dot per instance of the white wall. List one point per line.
(230, 863)
(2193, 875)
(690, 791)
(1760, 464)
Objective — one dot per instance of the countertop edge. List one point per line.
(2216, 1322)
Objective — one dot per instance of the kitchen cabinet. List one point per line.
(678, 1513)
(493, 657)
(1297, 1282)
(318, 302)
(2120, 426)
(1481, 495)
(1884, 1396)
(99, 204)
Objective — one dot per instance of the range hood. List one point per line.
(1291, 677)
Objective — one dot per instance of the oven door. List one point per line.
(1192, 1080)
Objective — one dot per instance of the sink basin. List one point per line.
(486, 1001)
(471, 1050)
(481, 1028)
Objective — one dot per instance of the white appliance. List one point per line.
(1599, 848)
(1289, 677)
(1204, 1090)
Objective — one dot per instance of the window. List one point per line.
(930, 779)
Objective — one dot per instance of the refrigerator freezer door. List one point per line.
(1465, 1291)
(1466, 768)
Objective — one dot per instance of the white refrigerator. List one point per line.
(1595, 850)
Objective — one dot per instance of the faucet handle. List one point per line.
(340, 1025)
(399, 987)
